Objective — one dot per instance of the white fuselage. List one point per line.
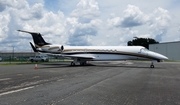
(103, 52)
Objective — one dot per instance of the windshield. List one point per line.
(144, 50)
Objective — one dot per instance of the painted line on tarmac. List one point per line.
(14, 91)
(4, 79)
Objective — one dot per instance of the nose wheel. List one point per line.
(152, 65)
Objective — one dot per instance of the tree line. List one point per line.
(142, 42)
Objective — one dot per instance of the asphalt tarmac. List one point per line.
(99, 83)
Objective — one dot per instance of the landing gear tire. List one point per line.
(152, 66)
(82, 63)
(73, 64)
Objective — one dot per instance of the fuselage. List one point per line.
(104, 52)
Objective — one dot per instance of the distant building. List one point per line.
(16, 55)
(169, 49)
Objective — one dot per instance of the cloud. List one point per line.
(83, 22)
(2, 6)
(159, 24)
(31, 18)
(4, 19)
(132, 17)
(51, 25)
(16, 4)
(157, 21)
(87, 22)
(86, 9)
(36, 12)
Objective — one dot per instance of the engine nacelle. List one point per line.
(54, 48)
(62, 48)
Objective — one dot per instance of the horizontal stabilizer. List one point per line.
(37, 38)
(28, 32)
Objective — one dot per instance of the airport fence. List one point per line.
(25, 59)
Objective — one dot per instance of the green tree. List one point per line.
(142, 42)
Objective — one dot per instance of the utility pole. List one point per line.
(12, 54)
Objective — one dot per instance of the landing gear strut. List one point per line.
(152, 65)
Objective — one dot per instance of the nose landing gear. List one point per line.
(152, 65)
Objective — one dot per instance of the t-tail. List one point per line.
(37, 38)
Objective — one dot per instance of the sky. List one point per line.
(87, 22)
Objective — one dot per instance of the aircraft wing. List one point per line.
(79, 56)
(83, 57)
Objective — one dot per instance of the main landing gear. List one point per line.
(73, 63)
(152, 65)
(81, 63)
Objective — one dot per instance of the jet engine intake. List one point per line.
(61, 48)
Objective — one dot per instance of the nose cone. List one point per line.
(162, 57)
(157, 56)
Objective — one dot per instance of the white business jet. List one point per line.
(82, 54)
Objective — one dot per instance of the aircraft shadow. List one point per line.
(59, 65)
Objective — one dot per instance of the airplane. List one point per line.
(82, 54)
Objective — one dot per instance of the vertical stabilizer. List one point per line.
(37, 38)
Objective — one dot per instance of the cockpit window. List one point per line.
(144, 50)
